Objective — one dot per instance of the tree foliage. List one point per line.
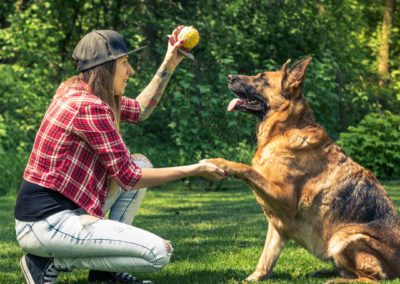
(375, 143)
(37, 38)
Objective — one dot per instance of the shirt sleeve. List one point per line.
(94, 124)
(130, 110)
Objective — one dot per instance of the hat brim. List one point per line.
(138, 49)
(110, 59)
(133, 51)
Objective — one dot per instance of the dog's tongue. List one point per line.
(232, 104)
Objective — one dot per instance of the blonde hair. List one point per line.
(101, 80)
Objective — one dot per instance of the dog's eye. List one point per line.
(260, 78)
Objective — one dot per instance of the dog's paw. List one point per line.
(255, 276)
(237, 170)
(219, 162)
(214, 161)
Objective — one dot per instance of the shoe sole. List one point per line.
(25, 271)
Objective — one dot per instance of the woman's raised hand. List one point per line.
(173, 57)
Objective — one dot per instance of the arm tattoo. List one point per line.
(152, 94)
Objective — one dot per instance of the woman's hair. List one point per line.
(101, 80)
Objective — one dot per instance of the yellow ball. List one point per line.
(190, 36)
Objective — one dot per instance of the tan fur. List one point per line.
(310, 190)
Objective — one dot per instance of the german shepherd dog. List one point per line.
(308, 188)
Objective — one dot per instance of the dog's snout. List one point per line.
(231, 79)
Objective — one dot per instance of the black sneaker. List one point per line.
(115, 277)
(38, 270)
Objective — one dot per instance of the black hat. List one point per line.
(98, 47)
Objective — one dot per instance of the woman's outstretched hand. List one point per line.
(210, 171)
(156, 176)
(173, 57)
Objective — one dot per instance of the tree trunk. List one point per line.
(342, 124)
(18, 5)
(148, 28)
(383, 57)
(199, 107)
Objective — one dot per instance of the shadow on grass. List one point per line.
(218, 238)
(205, 276)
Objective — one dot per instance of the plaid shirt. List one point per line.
(78, 148)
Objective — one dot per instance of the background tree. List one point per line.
(383, 58)
(37, 38)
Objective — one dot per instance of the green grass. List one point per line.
(217, 237)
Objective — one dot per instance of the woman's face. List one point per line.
(123, 70)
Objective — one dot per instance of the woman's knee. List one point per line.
(142, 161)
(168, 248)
(163, 255)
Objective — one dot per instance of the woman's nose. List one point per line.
(130, 70)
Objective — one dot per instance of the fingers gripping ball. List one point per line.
(190, 37)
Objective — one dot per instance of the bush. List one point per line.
(12, 165)
(375, 144)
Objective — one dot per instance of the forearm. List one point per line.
(152, 94)
(153, 177)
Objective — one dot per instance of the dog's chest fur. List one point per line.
(286, 169)
(279, 164)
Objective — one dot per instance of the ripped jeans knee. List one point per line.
(163, 256)
(168, 248)
(87, 220)
(142, 161)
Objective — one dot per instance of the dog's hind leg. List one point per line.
(274, 244)
(354, 250)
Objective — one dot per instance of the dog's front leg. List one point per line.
(274, 244)
(237, 170)
(270, 195)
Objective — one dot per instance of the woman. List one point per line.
(80, 168)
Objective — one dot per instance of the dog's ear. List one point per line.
(295, 76)
(285, 67)
(298, 71)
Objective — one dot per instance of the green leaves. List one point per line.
(236, 37)
(375, 144)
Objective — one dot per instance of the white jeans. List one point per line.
(77, 240)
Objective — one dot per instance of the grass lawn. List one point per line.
(217, 236)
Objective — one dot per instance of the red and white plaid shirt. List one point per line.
(78, 148)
